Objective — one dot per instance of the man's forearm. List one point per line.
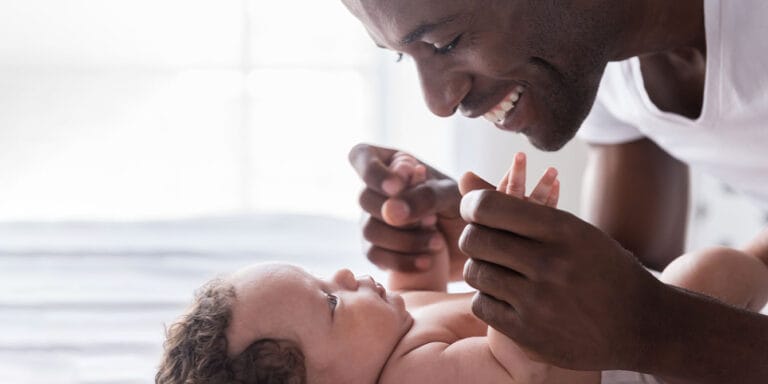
(696, 338)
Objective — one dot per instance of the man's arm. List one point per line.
(703, 341)
(638, 194)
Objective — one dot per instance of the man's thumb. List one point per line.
(470, 182)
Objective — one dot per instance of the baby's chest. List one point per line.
(444, 322)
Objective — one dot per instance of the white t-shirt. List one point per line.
(730, 138)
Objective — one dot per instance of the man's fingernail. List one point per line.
(436, 243)
(392, 186)
(423, 263)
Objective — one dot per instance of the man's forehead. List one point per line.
(390, 21)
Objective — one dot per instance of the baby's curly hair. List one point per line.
(196, 348)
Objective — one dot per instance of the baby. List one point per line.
(277, 323)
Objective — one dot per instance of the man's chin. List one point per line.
(549, 141)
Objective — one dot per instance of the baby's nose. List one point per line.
(346, 279)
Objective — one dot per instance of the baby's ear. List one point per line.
(470, 182)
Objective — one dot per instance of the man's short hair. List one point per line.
(195, 350)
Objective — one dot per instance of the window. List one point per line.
(175, 108)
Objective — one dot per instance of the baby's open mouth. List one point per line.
(500, 112)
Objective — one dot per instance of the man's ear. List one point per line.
(470, 182)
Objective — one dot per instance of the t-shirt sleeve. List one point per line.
(605, 124)
(603, 127)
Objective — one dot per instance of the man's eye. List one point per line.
(448, 47)
(333, 300)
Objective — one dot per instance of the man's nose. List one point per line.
(346, 279)
(443, 89)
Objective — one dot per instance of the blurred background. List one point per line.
(147, 146)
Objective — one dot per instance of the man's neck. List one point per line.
(660, 25)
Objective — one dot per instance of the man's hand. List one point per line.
(407, 224)
(556, 285)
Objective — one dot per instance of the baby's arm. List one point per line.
(436, 278)
(546, 192)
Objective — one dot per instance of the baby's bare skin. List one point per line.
(448, 344)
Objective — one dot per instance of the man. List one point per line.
(689, 86)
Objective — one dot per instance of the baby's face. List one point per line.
(346, 326)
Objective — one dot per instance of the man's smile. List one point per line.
(504, 108)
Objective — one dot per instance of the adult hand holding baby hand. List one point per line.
(409, 219)
(556, 285)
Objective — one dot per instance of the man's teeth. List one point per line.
(497, 114)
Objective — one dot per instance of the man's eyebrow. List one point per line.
(425, 28)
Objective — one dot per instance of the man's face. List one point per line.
(544, 58)
(347, 327)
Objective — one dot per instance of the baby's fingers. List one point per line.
(542, 192)
(408, 168)
(419, 174)
(554, 196)
(513, 182)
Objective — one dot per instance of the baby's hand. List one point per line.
(546, 192)
(410, 170)
(435, 275)
(413, 173)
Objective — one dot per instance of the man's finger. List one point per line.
(371, 202)
(494, 280)
(514, 253)
(429, 198)
(398, 261)
(498, 314)
(471, 182)
(414, 241)
(371, 164)
(497, 210)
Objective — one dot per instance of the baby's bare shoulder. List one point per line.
(442, 317)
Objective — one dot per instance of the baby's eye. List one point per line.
(333, 300)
